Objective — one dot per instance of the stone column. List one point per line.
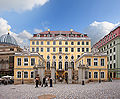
(53, 72)
(41, 71)
(79, 73)
(69, 73)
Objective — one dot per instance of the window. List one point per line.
(86, 74)
(78, 49)
(102, 62)
(114, 49)
(60, 42)
(66, 57)
(48, 57)
(82, 49)
(41, 42)
(110, 58)
(89, 62)
(33, 49)
(48, 65)
(18, 74)
(114, 65)
(111, 44)
(110, 66)
(66, 66)
(60, 65)
(37, 43)
(66, 43)
(25, 74)
(72, 43)
(95, 61)
(54, 43)
(72, 64)
(48, 43)
(33, 43)
(41, 56)
(60, 57)
(32, 75)
(41, 49)
(72, 57)
(114, 57)
(107, 52)
(78, 56)
(114, 42)
(32, 61)
(48, 49)
(87, 49)
(78, 43)
(55, 65)
(102, 75)
(37, 49)
(25, 61)
(54, 57)
(54, 49)
(107, 46)
(87, 43)
(110, 50)
(66, 49)
(72, 49)
(90, 75)
(95, 74)
(60, 49)
(18, 61)
(83, 43)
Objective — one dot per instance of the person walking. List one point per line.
(50, 82)
(37, 82)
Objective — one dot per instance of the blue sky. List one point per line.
(61, 15)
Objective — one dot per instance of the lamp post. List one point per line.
(22, 78)
(99, 75)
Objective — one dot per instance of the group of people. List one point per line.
(44, 82)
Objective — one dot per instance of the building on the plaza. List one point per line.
(62, 48)
(111, 45)
(24, 63)
(97, 65)
(8, 47)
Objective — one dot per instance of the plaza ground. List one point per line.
(93, 90)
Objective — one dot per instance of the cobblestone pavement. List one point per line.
(104, 90)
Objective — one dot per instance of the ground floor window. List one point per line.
(90, 75)
(66, 66)
(86, 74)
(60, 65)
(18, 74)
(95, 74)
(72, 64)
(102, 75)
(25, 74)
(32, 75)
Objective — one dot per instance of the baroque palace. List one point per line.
(60, 54)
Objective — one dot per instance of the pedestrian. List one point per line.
(50, 82)
(37, 82)
(44, 82)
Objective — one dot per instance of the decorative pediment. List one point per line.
(60, 37)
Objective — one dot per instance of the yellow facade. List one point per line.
(22, 68)
(63, 53)
(93, 68)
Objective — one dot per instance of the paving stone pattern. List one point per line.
(93, 90)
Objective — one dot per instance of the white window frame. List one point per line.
(17, 61)
(104, 61)
(96, 61)
(24, 74)
(90, 61)
(33, 74)
(20, 74)
(26, 62)
(30, 61)
(101, 75)
(97, 75)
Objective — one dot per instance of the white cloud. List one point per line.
(22, 38)
(38, 30)
(97, 30)
(20, 5)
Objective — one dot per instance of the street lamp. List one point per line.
(22, 78)
(99, 75)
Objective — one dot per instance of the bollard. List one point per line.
(83, 83)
